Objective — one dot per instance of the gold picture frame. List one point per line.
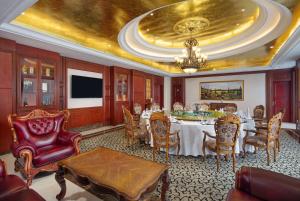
(227, 90)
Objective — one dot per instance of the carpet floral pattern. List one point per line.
(191, 179)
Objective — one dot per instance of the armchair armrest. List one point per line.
(209, 135)
(68, 137)
(18, 147)
(2, 168)
(261, 184)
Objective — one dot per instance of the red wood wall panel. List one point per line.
(85, 116)
(138, 88)
(177, 90)
(6, 98)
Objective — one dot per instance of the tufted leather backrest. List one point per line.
(39, 131)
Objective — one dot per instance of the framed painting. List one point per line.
(222, 90)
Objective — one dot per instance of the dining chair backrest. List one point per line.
(274, 126)
(160, 126)
(258, 112)
(128, 121)
(227, 129)
(137, 108)
(155, 107)
(177, 106)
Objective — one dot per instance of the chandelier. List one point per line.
(192, 59)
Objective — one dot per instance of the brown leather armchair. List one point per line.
(40, 140)
(253, 184)
(13, 188)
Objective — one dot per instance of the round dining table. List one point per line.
(191, 135)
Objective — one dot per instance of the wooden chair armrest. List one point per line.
(250, 130)
(209, 135)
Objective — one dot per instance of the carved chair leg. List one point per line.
(274, 149)
(268, 156)
(255, 150)
(244, 150)
(233, 161)
(278, 144)
(203, 151)
(226, 157)
(153, 153)
(167, 154)
(218, 161)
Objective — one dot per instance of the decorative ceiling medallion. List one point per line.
(192, 25)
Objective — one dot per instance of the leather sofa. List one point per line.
(253, 184)
(40, 140)
(13, 188)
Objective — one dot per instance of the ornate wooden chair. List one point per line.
(155, 107)
(266, 140)
(137, 109)
(40, 141)
(230, 109)
(162, 137)
(258, 112)
(204, 107)
(133, 131)
(177, 107)
(227, 130)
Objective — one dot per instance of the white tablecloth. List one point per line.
(191, 137)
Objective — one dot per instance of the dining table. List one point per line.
(191, 134)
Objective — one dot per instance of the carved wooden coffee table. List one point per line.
(111, 172)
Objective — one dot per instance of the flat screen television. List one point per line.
(86, 87)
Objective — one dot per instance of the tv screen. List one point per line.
(86, 87)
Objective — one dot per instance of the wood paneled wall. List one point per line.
(109, 113)
(177, 90)
(7, 91)
(136, 91)
(84, 116)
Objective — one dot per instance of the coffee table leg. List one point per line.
(165, 185)
(59, 177)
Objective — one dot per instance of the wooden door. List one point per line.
(282, 98)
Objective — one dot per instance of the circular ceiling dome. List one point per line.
(222, 27)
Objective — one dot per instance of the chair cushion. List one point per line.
(52, 153)
(236, 195)
(23, 195)
(257, 139)
(211, 145)
(9, 184)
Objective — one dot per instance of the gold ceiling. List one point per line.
(96, 23)
(219, 25)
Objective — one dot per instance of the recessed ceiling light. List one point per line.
(23, 13)
(271, 47)
(148, 30)
(237, 24)
(243, 10)
(151, 14)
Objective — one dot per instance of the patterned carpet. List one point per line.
(191, 179)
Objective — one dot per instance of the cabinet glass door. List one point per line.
(47, 84)
(29, 82)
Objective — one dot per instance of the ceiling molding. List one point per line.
(11, 9)
(289, 47)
